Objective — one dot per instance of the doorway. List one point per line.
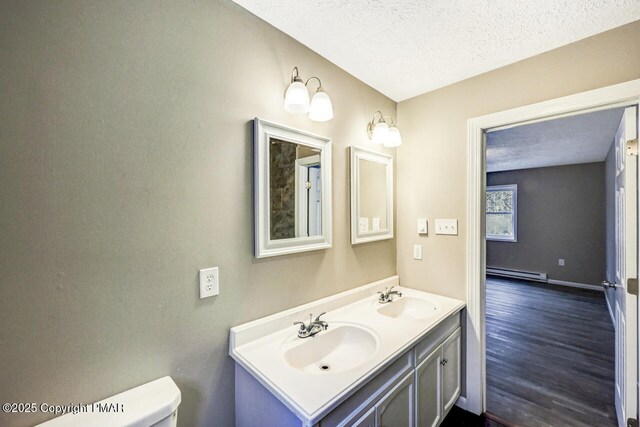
(549, 335)
(621, 95)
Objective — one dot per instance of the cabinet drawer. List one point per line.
(356, 406)
(436, 337)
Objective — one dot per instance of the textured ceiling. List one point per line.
(585, 138)
(404, 48)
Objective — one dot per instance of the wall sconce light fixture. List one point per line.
(296, 99)
(383, 131)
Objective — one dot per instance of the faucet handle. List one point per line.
(321, 314)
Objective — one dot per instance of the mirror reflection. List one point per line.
(371, 196)
(372, 200)
(295, 188)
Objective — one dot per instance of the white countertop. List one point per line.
(259, 345)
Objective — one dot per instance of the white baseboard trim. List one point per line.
(575, 285)
(462, 402)
(610, 309)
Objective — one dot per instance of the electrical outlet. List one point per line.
(561, 262)
(209, 283)
(417, 251)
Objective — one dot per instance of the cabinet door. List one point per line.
(396, 409)
(451, 370)
(428, 390)
(367, 420)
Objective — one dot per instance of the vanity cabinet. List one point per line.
(417, 388)
(438, 382)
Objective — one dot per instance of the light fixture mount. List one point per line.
(296, 77)
(296, 99)
(382, 130)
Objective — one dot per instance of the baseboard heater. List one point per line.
(517, 274)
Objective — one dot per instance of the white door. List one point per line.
(308, 197)
(314, 198)
(626, 306)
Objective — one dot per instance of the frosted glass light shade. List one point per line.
(393, 138)
(321, 109)
(296, 98)
(380, 133)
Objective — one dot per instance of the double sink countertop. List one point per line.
(311, 376)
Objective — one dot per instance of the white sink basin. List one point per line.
(359, 342)
(408, 308)
(340, 348)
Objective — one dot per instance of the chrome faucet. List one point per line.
(313, 327)
(387, 295)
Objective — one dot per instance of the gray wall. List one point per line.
(125, 166)
(561, 214)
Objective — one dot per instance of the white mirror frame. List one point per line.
(358, 153)
(264, 246)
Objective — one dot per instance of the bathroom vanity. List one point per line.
(377, 364)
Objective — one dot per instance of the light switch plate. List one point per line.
(209, 282)
(423, 227)
(447, 226)
(417, 251)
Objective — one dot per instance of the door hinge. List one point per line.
(632, 286)
(632, 147)
(632, 422)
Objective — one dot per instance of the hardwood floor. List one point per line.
(460, 418)
(550, 355)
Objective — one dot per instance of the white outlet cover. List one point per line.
(209, 282)
(417, 252)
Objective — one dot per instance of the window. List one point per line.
(502, 217)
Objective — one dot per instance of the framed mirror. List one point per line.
(292, 190)
(371, 196)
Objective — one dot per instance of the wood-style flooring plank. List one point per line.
(550, 355)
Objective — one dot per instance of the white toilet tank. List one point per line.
(153, 404)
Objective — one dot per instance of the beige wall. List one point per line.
(125, 166)
(431, 164)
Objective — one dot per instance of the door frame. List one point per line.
(618, 95)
